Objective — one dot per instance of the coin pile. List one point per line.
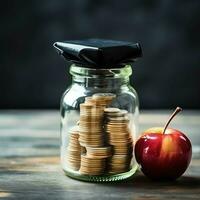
(102, 142)
(74, 149)
(119, 137)
(119, 163)
(91, 119)
(90, 125)
(92, 165)
(91, 133)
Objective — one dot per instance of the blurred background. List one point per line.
(32, 75)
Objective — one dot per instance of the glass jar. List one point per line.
(99, 124)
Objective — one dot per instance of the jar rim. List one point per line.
(76, 70)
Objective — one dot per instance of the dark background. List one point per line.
(32, 75)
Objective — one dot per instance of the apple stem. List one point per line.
(178, 109)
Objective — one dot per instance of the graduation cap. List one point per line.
(99, 53)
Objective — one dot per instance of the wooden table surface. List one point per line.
(30, 169)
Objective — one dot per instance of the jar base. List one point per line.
(101, 178)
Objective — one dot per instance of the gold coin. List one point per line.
(92, 113)
(73, 141)
(88, 106)
(88, 100)
(86, 158)
(91, 141)
(73, 152)
(94, 109)
(92, 132)
(119, 158)
(88, 166)
(111, 110)
(118, 119)
(91, 137)
(73, 147)
(92, 145)
(93, 165)
(75, 164)
(123, 146)
(122, 152)
(94, 140)
(90, 123)
(74, 161)
(113, 166)
(116, 130)
(118, 167)
(73, 157)
(114, 136)
(117, 125)
(98, 127)
(121, 113)
(99, 156)
(97, 118)
(89, 133)
(97, 101)
(125, 141)
(101, 152)
(90, 128)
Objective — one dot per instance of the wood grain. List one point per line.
(30, 169)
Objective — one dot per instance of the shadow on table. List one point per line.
(140, 181)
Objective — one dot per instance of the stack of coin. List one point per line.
(90, 125)
(119, 163)
(92, 165)
(91, 133)
(74, 149)
(119, 137)
(100, 152)
(90, 109)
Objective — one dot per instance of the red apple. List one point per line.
(163, 153)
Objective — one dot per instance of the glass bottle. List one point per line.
(87, 82)
(99, 124)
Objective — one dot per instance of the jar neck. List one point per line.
(114, 77)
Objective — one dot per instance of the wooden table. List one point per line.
(29, 161)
